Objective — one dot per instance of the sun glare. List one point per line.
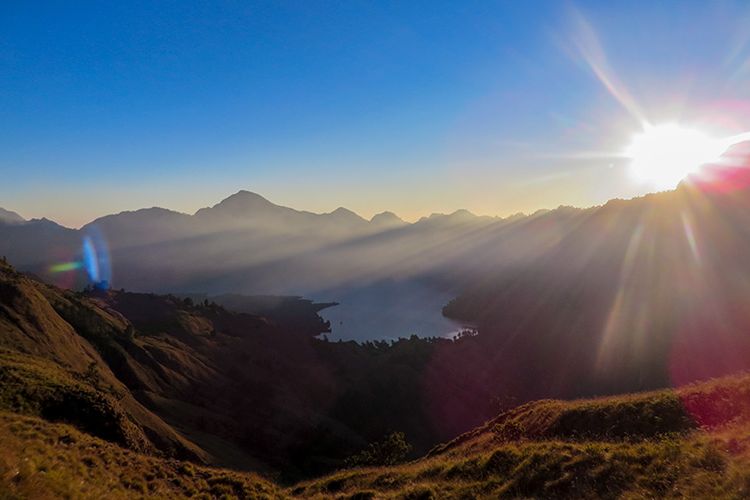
(663, 155)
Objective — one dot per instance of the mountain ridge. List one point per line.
(246, 201)
(9, 217)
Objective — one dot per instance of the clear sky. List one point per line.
(409, 106)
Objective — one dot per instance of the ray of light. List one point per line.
(690, 236)
(587, 42)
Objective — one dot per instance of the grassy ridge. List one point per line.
(692, 442)
(662, 467)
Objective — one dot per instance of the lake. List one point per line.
(387, 310)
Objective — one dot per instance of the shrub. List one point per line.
(393, 449)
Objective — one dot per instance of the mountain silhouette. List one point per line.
(247, 244)
(387, 219)
(8, 217)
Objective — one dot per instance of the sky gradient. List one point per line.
(414, 107)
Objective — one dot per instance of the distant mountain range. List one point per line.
(247, 244)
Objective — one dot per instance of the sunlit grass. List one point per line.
(633, 446)
(43, 460)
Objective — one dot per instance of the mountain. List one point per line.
(40, 243)
(8, 217)
(247, 244)
(460, 216)
(250, 210)
(387, 220)
(245, 208)
(642, 294)
(343, 217)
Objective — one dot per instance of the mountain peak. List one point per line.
(345, 213)
(240, 204)
(387, 219)
(8, 217)
(461, 213)
(244, 196)
(342, 211)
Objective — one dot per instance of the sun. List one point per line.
(664, 155)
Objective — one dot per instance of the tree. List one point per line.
(391, 450)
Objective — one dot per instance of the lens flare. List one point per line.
(90, 259)
(96, 259)
(65, 267)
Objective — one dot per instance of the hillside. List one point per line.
(44, 460)
(693, 442)
(642, 294)
(56, 370)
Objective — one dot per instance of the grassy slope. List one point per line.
(50, 368)
(42, 460)
(692, 442)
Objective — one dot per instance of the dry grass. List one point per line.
(41, 460)
(696, 466)
(688, 443)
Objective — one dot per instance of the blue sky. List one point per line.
(415, 107)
